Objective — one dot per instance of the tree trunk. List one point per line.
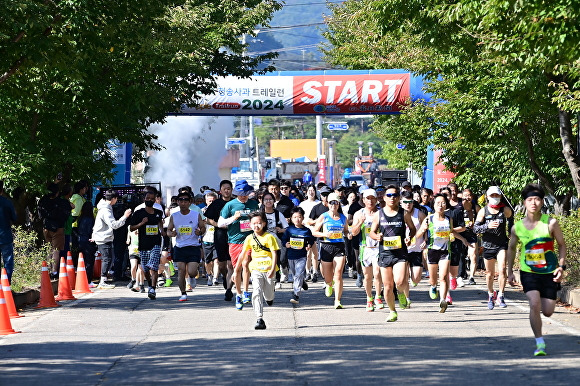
(562, 204)
(568, 148)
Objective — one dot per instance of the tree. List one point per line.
(491, 110)
(77, 74)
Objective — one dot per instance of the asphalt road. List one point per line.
(114, 337)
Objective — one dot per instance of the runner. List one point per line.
(389, 229)
(208, 245)
(212, 215)
(315, 213)
(312, 260)
(491, 224)
(440, 228)
(469, 215)
(259, 248)
(414, 251)
(455, 210)
(369, 250)
(541, 271)
(149, 222)
(235, 216)
(186, 226)
(332, 227)
(298, 240)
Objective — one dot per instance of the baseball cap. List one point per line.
(333, 197)
(492, 190)
(325, 190)
(405, 184)
(242, 188)
(369, 192)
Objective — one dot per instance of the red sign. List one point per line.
(351, 94)
(322, 169)
(441, 177)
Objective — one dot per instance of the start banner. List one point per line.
(309, 93)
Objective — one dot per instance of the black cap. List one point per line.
(325, 190)
(405, 184)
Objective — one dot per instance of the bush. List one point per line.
(571, 229)
(28, 257)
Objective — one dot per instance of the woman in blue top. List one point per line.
(332, 227)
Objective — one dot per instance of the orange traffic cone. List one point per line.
(5, 325)
(64, 291)
(70, 270)
(10, 306)
(97, 265)
(46, 293)
(82, 283)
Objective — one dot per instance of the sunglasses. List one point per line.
(183, 199)
(391, 195)
(334, 202)
(407, 202)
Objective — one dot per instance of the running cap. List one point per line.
(405, 184)
(325, 190)
(333, 197)
(369, 192)
(242, 188)
(493, 190)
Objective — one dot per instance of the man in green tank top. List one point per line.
(541, 271)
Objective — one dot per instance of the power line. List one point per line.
(325, 2)
(281, 27)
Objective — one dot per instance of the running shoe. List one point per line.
(304, 286)
(260, 325)
(188, 288)
(449, 300)
(453, 284)
(209, 280)
(370, 305)
(471, 281)
(308, 277)
(490, 302)
(168, 283)
(540, 350)
(393, 316)
(104, 285)
(142, 288)
(442, 306)
(92, 285)
(295, 299)
(359, 281)
(229, 295)
(414, 284)
(283, 278)
(161, 282)
(215, 281)
(379, 302)
(402, 300)
(136, 288)
(426, 274)
(337, 305)
(193, 282)
(350, 273)
(408, 303)
(152, 295)
(246, 297)
(239, 304)
(183, 298)
(460, 282)
(131, 284)
(502, 302)
(328, 290)
(494, 296)
(433, 293)
(314, 277)
(171, 269)
(269, 302)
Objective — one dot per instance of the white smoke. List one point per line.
(194, 147)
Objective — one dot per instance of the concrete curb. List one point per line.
(31, 296)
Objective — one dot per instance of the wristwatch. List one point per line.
(563, 267)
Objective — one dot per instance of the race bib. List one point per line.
(210, 229)
(335, 235)
(467, 222)
(151, 230)
(392, 242)
(185, 230)
(262, 264)
(296, 243)
(245, 225)
(442, 235)
(535, 257)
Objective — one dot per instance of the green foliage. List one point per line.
(77, 74)
(28, 258)
(570, 226)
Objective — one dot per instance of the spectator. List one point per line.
(86, 221)
(7, 218)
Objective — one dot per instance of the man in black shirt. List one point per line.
(212, 215)
(149, 222)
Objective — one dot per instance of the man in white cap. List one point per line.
(490, 223)
(235, 217)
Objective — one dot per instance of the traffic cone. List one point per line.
(97, 266)
(5, 325)
(46, 293)
(10, 306)
(82, 283)
(64, 291)
(70, 271)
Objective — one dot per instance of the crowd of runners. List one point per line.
(388, 238)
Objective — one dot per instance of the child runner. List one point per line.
(262, 266)
(298, 240)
